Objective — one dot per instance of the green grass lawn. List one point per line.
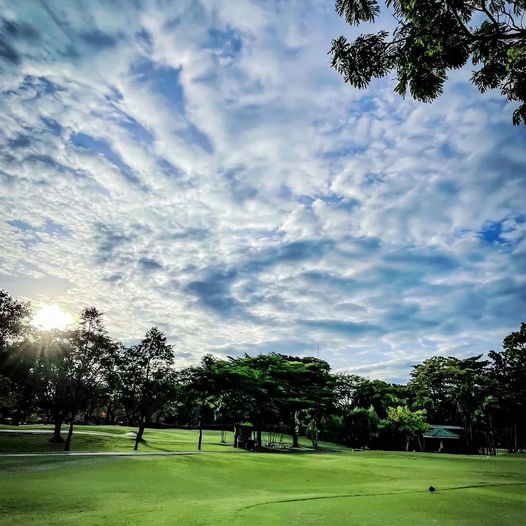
(120, 438)
(330, 487)
(107, 438)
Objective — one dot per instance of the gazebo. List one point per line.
(441, 433)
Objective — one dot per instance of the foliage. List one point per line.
(85, 362)
(83, 376)
(14, 316)
(434, 37)
(52, 377)
(147, 376)
(452, 389)
(508, 368)
(14, 366)
(407, 422)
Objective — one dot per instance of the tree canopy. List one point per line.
(84, 376)
(433, 37)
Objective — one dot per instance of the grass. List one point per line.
(106, 438)
(120, 438)
(332, 487)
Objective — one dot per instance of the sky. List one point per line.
(198, 166)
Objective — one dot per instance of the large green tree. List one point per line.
(287, 385)
(452, 390)
(148, 373)
(14, 318)
(15, 387)
(86, 361)
(200, 387)
(508, 368)
(360, 405)
(406, 422)
(432, 37)
(51, 376)
(237, 394)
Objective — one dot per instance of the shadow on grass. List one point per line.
(301, 450)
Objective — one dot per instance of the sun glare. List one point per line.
(51, 317)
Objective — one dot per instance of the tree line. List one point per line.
(82, 375)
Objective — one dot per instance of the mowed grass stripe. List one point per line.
(329, 487)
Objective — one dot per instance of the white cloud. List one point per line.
(199, 166)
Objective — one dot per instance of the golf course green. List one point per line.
(329, 486)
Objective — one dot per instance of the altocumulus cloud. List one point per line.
(197, 165)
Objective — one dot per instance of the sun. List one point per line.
(50, 317)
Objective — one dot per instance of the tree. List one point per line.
(344, 390)
(148, 371)
(112, 395)
(361, 426)
(87, 358)
(14, 315)
(269, 390)
(452, 390)
(201, 388)
(433, 37)
(508, 368)
(235, 393)
(406, 422)
(51, 377)
(360, 405)
(379, 394)
(292, 384)
(16, 398)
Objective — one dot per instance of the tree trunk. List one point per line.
(200, 437)
(109, 414)
(235, 435)
(295, 430)
(56, 438)
(67, 446)
(258, 438)
(314, 437)
(140, 433)
(407, 442)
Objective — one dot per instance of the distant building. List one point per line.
(444, 439)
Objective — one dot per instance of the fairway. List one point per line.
(332, 486)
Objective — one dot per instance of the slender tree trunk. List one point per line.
(73, 413)
(314, 437)
(109, 412)
(199, 443)
(258, 438)
(56, 438)
(407, 442)
(140, 433)
(235, 435)
(67, 446)
(515, 438)
(295, 430)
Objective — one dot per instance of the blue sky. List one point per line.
(198, 166)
